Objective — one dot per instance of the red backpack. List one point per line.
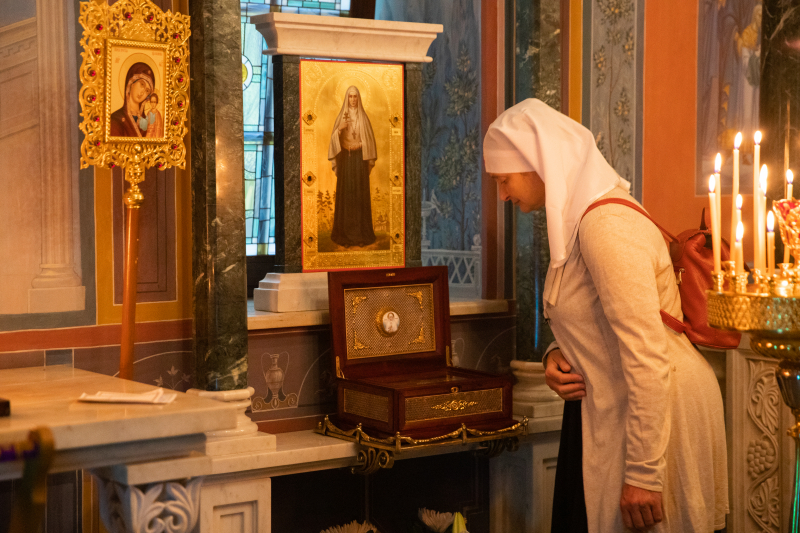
(693, 261)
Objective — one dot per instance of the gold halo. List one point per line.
(138, 57)
(359, 83)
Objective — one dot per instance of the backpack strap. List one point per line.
(622, 201)
(670, 321)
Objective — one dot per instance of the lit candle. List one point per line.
(762, 215)
(735, 192)
(715, 237)
(738, 210)
(789, 180)
(770, 243)
(756, 202)
(738, 247)
(717, 168)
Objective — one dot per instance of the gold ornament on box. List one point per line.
(134, 97)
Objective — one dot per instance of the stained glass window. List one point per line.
(258, 117)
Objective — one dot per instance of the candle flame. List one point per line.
(789, 175)
(737, 142)
(739, 201)
(739, 232)
(763, 179)
(712, 182)
(770, 222)
(718, 163)
(757, 137)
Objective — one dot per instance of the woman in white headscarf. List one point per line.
(643, 437)
(352, 154)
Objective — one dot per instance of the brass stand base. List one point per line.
(377, 453)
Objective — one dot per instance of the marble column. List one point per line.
(413, 112)
(57, 287)
(288, 209)
(218, 223)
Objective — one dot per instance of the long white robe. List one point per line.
(653, 413)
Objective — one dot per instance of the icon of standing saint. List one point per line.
(352, 154)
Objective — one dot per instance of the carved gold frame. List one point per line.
(319, 79)
(139, 24)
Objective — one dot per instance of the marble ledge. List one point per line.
(257, 320)
(294, 453)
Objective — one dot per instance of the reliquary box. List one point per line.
(391, 352)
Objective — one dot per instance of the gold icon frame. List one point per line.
(322, 87)
(142, 25)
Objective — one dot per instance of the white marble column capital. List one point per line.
(171, 507)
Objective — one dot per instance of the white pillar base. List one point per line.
(56, 300)
(245, 437)
(282, 293)
(531, 395)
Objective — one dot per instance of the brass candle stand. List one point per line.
(769, 310)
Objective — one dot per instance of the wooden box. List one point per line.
(391, 356)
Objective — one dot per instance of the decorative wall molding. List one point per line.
(17, 43)
(171, 507)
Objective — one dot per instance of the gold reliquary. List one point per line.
(391, 354)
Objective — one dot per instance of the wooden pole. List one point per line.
(133, 199)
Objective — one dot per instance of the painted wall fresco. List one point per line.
(451, 144)
(614, 84)
(728, 79)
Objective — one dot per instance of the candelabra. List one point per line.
(769, 310)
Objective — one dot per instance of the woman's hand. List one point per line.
(641, 508)
(557, 376)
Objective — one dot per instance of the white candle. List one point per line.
(717, 168)
(738, 211)
(762, 215)
(738, 247)
(715, 237)
(770, 243)
(756, 202)
(735, 191)
(789, 180)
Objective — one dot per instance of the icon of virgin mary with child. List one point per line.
(139, 115)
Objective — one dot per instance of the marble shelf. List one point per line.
(89, 435)
(267, 320)
(296, 452)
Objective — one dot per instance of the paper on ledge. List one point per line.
(157, 396)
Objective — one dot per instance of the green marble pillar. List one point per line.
(413, 112)
(218, 219)
(288, 207)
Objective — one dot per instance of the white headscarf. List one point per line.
(532, 136)
(363, 126)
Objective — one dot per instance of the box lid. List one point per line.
(386, 321)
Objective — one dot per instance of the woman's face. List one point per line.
(352, 99)
(524, 189)
(140, 90)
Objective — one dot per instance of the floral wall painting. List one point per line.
(615, 90)
(450, 135)
(728, 73)
(352, 138)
